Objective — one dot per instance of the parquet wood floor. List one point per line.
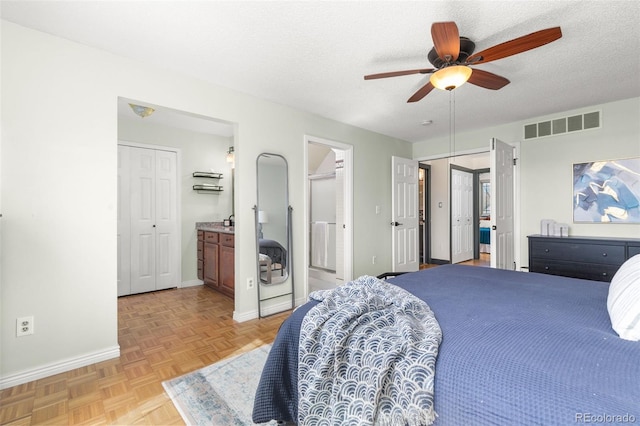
(162, 335)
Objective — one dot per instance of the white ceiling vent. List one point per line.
(557, 126)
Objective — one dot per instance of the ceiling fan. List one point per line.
(453, 55)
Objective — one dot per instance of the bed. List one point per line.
(517, 349)
(485, 236)
(275, 251)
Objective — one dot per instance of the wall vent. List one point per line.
(558, 126)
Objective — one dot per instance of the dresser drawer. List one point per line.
(227, 239)
(587, 271)
(633, 250)
(211, 237)
(590, 253)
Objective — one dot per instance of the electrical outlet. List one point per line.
(24, 326)
(250, 283)
(373, 260)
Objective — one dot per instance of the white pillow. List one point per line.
(623, 301)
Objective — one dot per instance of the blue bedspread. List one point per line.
(517, 349)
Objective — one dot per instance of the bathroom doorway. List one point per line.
(329, 205)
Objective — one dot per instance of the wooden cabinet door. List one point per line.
(227, 272)
(211, 265)
(201, 255)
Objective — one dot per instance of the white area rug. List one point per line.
(221, 394)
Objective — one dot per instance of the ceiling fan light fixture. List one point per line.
(450, 78)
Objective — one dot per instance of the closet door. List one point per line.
(148, 237)
(461, 216)
(166, 220)
(143, 220)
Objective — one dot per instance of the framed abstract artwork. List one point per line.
(607, 191)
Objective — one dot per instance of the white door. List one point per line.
(143, 233)
(404, 221)
(166, 220)
(148, 236)
(461, 216)
(502, 205)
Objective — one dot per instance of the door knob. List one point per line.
(396, 224)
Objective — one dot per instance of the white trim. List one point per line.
(191, 283)
(457, 154)
(267, 310)
(58, 367)
(149, 146)
(516, 206)
(348, 205)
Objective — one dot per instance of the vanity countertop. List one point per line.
(214, 227)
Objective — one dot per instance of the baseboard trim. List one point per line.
(58, 367)
(191, 283)
(266, 311)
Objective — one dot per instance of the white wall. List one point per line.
(59, 146)
(546, 186)
(198, 152)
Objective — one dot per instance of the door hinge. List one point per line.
(515, 161)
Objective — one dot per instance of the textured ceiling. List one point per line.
(313, 55)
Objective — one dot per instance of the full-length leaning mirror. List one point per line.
(273, 230)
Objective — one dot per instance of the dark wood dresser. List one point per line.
(591, 258)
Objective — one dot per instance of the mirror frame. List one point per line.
(279, 288)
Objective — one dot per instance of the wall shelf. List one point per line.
(211, 175)
(207, 187)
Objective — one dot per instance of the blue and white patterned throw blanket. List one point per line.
(367, 357)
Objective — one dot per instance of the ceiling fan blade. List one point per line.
(424, 91)
(515, 46)
(398, 73)
(446, 40)
(488, 80)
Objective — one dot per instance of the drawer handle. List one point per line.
(604, 254)
(604, 274)
(546, 268)
(546, 250)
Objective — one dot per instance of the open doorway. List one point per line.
(202, 144)
(329, 209)
(437, 201)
